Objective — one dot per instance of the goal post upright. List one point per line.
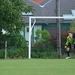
(41, 17)
(29, 53)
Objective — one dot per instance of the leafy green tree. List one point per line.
(38, 35)
(11, 18)
(42, 36)
(72, 27)
(11, 15)
(43, 48)
(45, 36)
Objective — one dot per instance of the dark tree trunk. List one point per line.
(58, 28)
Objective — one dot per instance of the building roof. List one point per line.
(48, 7)
(37, 1)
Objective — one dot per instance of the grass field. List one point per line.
(37, 67)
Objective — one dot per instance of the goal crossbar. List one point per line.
(51, 17)
(41, 17)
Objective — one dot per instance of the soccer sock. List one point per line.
(68, 53)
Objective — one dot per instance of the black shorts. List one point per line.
(74, 46)
(69, 45)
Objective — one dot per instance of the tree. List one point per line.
(11, 18)
(42, 36)
(45, 36)
(72, 27)
(38, 35)
(11, 15)
(58, 28)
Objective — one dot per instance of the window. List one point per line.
(27, 29)
(27, 14)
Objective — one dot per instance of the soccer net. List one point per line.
(46, 21)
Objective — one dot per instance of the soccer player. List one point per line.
(68, 44)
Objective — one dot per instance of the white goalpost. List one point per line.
(32, 25)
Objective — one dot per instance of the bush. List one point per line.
(42, 36)
(17, 53)
(43, 50)
(17, 46)
(2, 54)
(17, 40)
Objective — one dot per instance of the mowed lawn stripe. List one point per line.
(37, 67)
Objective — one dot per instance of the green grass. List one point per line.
(37, 67)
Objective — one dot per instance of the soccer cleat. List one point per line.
(67, 57)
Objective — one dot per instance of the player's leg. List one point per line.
(68, 51)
